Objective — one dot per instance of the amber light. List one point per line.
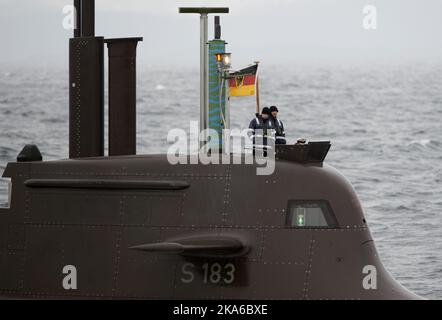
(219, 57)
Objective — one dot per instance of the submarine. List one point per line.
(128, 226)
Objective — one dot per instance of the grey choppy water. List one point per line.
(384, 123)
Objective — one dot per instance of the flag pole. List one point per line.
(257, 90)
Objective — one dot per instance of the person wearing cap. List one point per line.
(279, 126)
(261, 127)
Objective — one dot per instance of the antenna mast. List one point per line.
(204, 59)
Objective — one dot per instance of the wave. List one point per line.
(425, 143)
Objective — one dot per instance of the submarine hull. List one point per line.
(137, 227)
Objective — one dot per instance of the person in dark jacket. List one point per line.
(279, 126)
(262, 127)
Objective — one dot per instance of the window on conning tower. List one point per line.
(310, 214)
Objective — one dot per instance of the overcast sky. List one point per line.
(273, 31)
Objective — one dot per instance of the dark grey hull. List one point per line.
(65, 221)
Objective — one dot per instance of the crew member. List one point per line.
(262, 127)
(279, 126)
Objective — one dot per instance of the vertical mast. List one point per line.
(204, 72)
(122, 95)
(85, 18)
(86, 85)
(86, 89)
(204, 59)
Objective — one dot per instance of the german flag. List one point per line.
(243, 82)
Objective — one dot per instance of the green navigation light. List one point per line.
(301, 220)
